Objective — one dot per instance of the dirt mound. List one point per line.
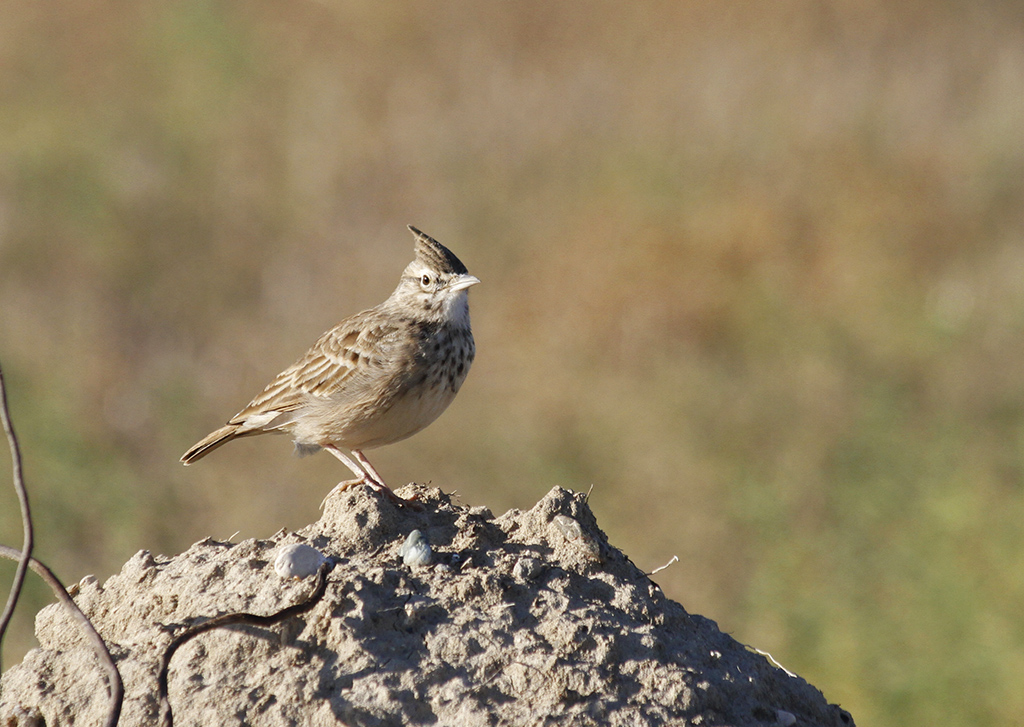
(530, 618)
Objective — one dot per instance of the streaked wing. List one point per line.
(342, 365)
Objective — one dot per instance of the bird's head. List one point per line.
(434, 284)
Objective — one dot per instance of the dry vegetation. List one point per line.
(756, 271)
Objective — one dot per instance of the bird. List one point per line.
(376, 378)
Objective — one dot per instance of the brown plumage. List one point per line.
(377, 377)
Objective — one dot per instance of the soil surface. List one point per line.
(530, 618)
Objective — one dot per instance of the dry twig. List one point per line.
(115, 686)
(26, 514)
(229, 619)
(25, 560)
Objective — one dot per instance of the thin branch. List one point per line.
(673, 559)
(229, 619)
(26, 515)
(115, 686)
(25, 560)
(772, 660)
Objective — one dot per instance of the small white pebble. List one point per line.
(298, 560)
(416, 550)
(572, 531)
(784, 718)
(568, 527)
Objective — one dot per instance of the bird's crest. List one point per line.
(436, 255)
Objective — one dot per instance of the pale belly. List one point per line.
(324, 423)
(407, 415)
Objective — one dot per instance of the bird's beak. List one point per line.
(462, 282)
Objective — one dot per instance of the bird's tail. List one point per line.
(210, 442)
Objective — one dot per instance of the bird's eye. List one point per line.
(425, 281)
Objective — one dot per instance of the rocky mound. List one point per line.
(530, 618)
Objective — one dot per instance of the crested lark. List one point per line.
(375, 378)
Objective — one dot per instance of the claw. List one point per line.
(367, 476)
(339, 488)
(376, 487)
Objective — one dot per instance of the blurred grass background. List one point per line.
(753, 270)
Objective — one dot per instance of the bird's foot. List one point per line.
(409, 502)
(376, 486)
(339, 488)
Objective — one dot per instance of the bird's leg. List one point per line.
(361, 459)
(366, 475)
(361, 476)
